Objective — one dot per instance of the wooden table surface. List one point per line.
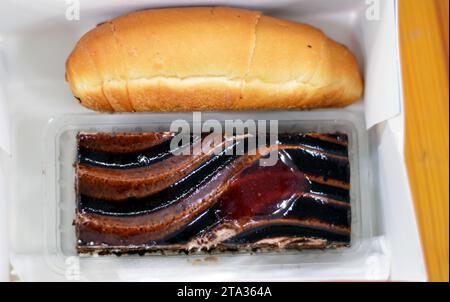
(424, 40)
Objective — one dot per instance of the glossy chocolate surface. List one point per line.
(135, 196)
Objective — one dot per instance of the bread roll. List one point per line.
(209, 58)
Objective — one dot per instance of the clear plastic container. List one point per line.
(60, 201)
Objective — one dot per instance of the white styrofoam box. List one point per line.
(365, 258)
(35, 40)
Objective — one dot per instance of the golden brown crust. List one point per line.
(186, 59)
(84, 79)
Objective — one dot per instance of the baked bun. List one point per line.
(210, 58)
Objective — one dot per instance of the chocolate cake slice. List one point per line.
(134, 195)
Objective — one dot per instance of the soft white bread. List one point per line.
(186, 59)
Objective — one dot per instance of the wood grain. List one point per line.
(424, 51)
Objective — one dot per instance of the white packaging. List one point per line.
(36, 38)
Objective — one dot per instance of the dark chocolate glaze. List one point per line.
(309, 207)
(314, 143)
(122, 184)
(310, 183)
(118, 142)
(287, 230)
(336, 138)
(316, 163)
(124, 160)
(329, 191)
(198, 226)
(134, 158)
(159, 224)
(170, 195)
